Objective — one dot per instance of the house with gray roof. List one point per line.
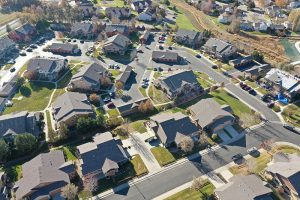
(18, 123)
(140, 5)
(117, 44)
(9, 88)
(63, 48)
(88, 79)
(244, 187)
(210, 115)
(220, 49)
(283, 82)
(114, 29)
(68, 107)
(131, 107)
(165, 56)
(49, 69)
(124, 77)
(84, 30)
(44, 176)
(101, 158)
(241, 61)
(24, 33)
(285, 172)
(178, 83)
(189, 38)
(171, 128)
(6, 47)
(118, 12)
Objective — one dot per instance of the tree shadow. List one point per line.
(25, 91)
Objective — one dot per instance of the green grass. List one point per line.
(157, 75)
(49, 124)
(183, 22)
(114, 3)
(139, 126)
(35, 95)
(7, 67)
(162, 155)
(115, 72)
(70, 154)
(143, 91)
(204, 80)
(113, 113)
(138, 165)
(158, 96)
(190, 194)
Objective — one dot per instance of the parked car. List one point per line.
(290, 128)
(33, 46)
(22, 53)
(253, 92)
(116, 66)
(106, 99)
(198, 56)
(69, 40)
(12, 61)
(271, 104)
(145, 79)
(253, 151)
(74, 40)
(170, 48)
(112, 95)
(111, 105)
(214, 67)
(161, 38)
(110, 66)
(164, 35)
(160, 69)
(12, 69)
(29, 49)
(81, 41)
(161, 47)
(161, 41)
(140, 51)
(237, 157)
(154, 69)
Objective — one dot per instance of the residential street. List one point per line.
(179, 174)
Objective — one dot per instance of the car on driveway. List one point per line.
(106, 99)
(12, 61)
(22, 53)
(290, 128)
(161, 41)
(81, 41)
(12, 69)
(253, 151)
(170, 48)
(214, 67)
(161, 47)
(140, 51)
(33, 46)
(237, 157)
(111, 105)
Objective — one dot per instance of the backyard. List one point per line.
(206, 191)
(32, 96)
(158, 96)
(162, 155)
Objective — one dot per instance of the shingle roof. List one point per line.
(164, 55)
(70, 104)
(25, 29)
(19, 122)
(89, 75)
(244, 187)
(44, 168)
(221, 46)
(126, 74)
(62, 46)
(104, 153)
(84, 27)
(173, 127)
(180, 77)
(45, 64)
(121, 28)
(190, 34)
(117, 11)
(119, 40)
(131, 105)
(8, 88)
(206, 111)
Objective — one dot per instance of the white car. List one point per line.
(252, 151)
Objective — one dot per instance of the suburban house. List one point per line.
(84, 30)
(147, 15)
(272, 11)
(131, 107)
(117, 44)
(171, 128)
(44, 176)
(6, 47)
(244, 187)
(220, 49)
(125, 75)
(88, 79)
(117, 12)
(260, 26)
(241, 61)
(68, 107)
(140, 5)
(258, 70)
(165, 56)
(145, 36)
(47, 68)
(189, 38)
(210, 115)
(86, 7)
(24, 33)
(285, 173)
(225, 18)
(246, 25)
(114, 29)
(283, 82)
(63, 48)
(178, 83)
(18, 123)
(9, 88)
(101, 158)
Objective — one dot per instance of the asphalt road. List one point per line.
(182, 173)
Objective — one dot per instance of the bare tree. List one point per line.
(187, 144)
(197, 183)
(69, 192)
(92, 184)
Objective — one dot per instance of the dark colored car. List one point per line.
(140, 51)
(242, 84)
(33, 46)
(12, 69)
(111, 105)
(214, 67)
(81, 41)
(252, 92)
(29, 49)
(271, 104)
(160, 69)
(170, 48)
(290, 128)
(69, 40)
(237, 157)
(161, 47)
(74, 40)
(198, 56)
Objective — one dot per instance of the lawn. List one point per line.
(204, 79)
(183, 22)
(157, 95)
(34, 96)
(162, 155)
(138, 126)
(292, 114)
(114, 3)
(138, 165)
(49, 124)
(206, 190)
(113, 113)
(115, 72)
(143, 91)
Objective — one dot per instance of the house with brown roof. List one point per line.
(63, 48)
(44, 176)
(84, 30)
(124, 77)
(171, 128)
(24, 33)
(101, 158)
(165, 56)
(117, 44)
(131, 107)
(189, 38)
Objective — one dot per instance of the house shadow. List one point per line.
(123, 191)
(132, 80)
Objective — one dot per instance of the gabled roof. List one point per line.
(178, 78)
(172, 127)
(104, 154)
(62, 46)
(119, 40)
(117, 11)
(43, 169)
(131, 105)
(89, 75)
(220, 45)
(189, 34)
(45, 64)
(25, 29)
(84, 27)
(69, 104)
(126, 74)
(244, 187)
(120, 28)
(164, 55)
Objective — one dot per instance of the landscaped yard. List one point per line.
(162, 155)
(113, 113)
(183, 22)
(157, 95)
(143, 91)
(33, 96)
(138, 126)
(48, 118)
(191, 194)
(114, 3)
(115, 72)
(204, 80)
(292, 114)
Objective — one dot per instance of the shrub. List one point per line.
(276, 108)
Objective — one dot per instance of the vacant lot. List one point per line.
(32, 96)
